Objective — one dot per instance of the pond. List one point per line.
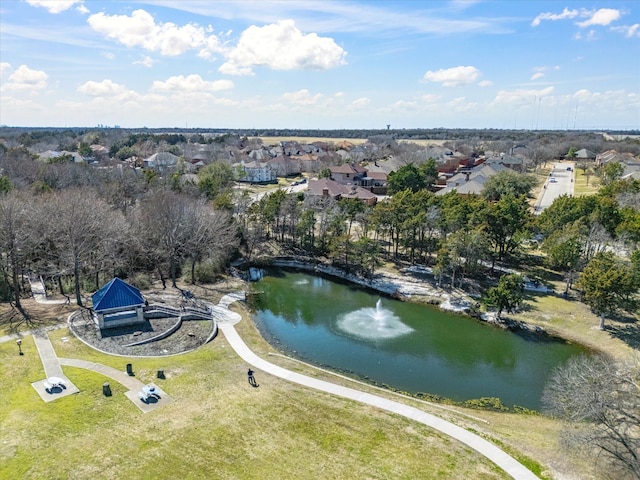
(408, 347)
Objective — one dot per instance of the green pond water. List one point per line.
(413, 348)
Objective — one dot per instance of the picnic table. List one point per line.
(149, 390)
(54, 382)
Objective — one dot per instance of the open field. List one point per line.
(354, 141)
(277, 140)
(220, 427)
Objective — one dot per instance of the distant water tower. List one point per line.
(388, 126)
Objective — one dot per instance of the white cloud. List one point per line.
(105, 88)
(566, 13)
(485, 83)
(603, 17)
(141, 30)
(4, 68)
(461, 104)
(539, 72)
(361, 102)
(190, 84)
(24, 78)
(453, 77)
(521, 96)
(282, 46)
(302, 98)
(629, 31)
(429, 98)
(56, 6)
(147, 61)
(403, 105)
(108, 55)
(591, 35)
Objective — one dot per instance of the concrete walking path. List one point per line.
(482, 446)
(53, 368)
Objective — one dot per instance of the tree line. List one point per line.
(71, 221)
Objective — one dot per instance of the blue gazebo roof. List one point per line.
(116, 294)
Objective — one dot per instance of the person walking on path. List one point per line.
(252, 379)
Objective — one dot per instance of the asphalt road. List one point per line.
(559, 182)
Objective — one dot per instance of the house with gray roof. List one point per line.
(284, 165)
(471, 182)
(584, 154)
(161, 161)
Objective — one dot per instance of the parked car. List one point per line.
(553, 180)
(569, 169)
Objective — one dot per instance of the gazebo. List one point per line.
(117, 303)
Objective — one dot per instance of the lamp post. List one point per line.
(19, 342)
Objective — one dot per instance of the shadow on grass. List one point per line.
(629, 332)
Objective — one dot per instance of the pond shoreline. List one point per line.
(290, 330)
(413, 286)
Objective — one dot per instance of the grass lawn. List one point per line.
(581, 187)
(217, 427)
(220, 427)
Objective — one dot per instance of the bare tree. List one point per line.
(76, 228)
(14, 237)
(177, 227)
(600, 401)
(213, 236)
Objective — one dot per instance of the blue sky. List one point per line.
(321, 64)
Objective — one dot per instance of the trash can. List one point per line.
(161, 374)
(130, 369)
(106, 389)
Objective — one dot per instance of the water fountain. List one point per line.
(372, 323)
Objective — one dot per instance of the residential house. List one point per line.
(52, 154)
(348, 173)
(284, 166)
(325, 187)
(161, 162)
(470, 182)
(508, 161)
(376, 182)
(254, 172)
(611, 156)
(291, 147)
(627, 160)
(118, 304)
(584, 154)
(100, 152)
(313, 162)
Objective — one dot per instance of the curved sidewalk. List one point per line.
(493, 453)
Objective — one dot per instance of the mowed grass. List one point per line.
(574, 321)
(220, 427)
(217, 427)
(585, 184)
